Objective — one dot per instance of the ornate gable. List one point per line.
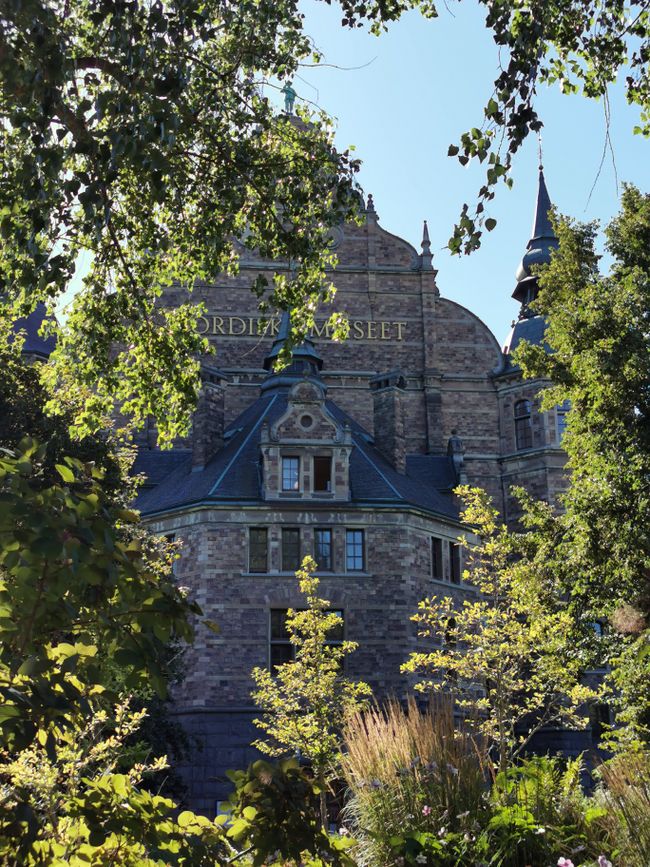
(306, 452)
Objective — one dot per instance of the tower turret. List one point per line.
(538, 250)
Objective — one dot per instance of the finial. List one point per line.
(426, 257)
(289, 97)
(370, 207)
(539, 151)
(426, 243)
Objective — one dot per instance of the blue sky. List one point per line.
(422, 84)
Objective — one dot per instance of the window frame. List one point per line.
(523, 411)
(455, 563)
(330, 566)
(561, 412)
(437, 558)
(328, 489)
(355, 556)
(285, 531)
(284, 641)
(294, 488)
(251, 545)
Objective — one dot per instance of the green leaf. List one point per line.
(8, 711)
(65, 472)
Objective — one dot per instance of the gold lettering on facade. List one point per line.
(231, 323)
(250, 326)
(321, 330)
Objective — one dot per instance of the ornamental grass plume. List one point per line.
(409, 770)
(624, 794)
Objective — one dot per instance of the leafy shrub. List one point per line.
(417, 785)
(62, 802)
(274, 815)
(540, 814)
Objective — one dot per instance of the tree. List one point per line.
(597, 332)
(79, 583)
(137, 132)
(306, 701)
(508, 656)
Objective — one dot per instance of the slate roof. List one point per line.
(531, 329)
(233, 475)
(35, 344)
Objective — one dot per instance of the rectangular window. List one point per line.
(323, 550)
(258, 549)
(561, 413)
(456, 555)
(290, 549)
(437, 570)
(322, 473)
(281, 650)
(290, 474)
(354, 553)
(523, 429)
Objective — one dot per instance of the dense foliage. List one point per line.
(273, 814)
(137, 132)
(599, 548)
(421, 794)
(508, 656)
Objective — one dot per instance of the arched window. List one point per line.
(523, 429)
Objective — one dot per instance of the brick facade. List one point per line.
(419, 377)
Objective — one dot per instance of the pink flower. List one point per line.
(426, 810)
(564, 862)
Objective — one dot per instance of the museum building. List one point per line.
(350, 454)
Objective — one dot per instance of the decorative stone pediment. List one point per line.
(306, 419)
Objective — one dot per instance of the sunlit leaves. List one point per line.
(509, 655)
(137, 132)
(305, 701)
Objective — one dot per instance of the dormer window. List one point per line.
(290, 474)
(322, 473)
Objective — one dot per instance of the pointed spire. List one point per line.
(426, 257)
(538, 250)
(542, 227)
(426, 243)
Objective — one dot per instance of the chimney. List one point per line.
(388, 401)
(208, 422)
